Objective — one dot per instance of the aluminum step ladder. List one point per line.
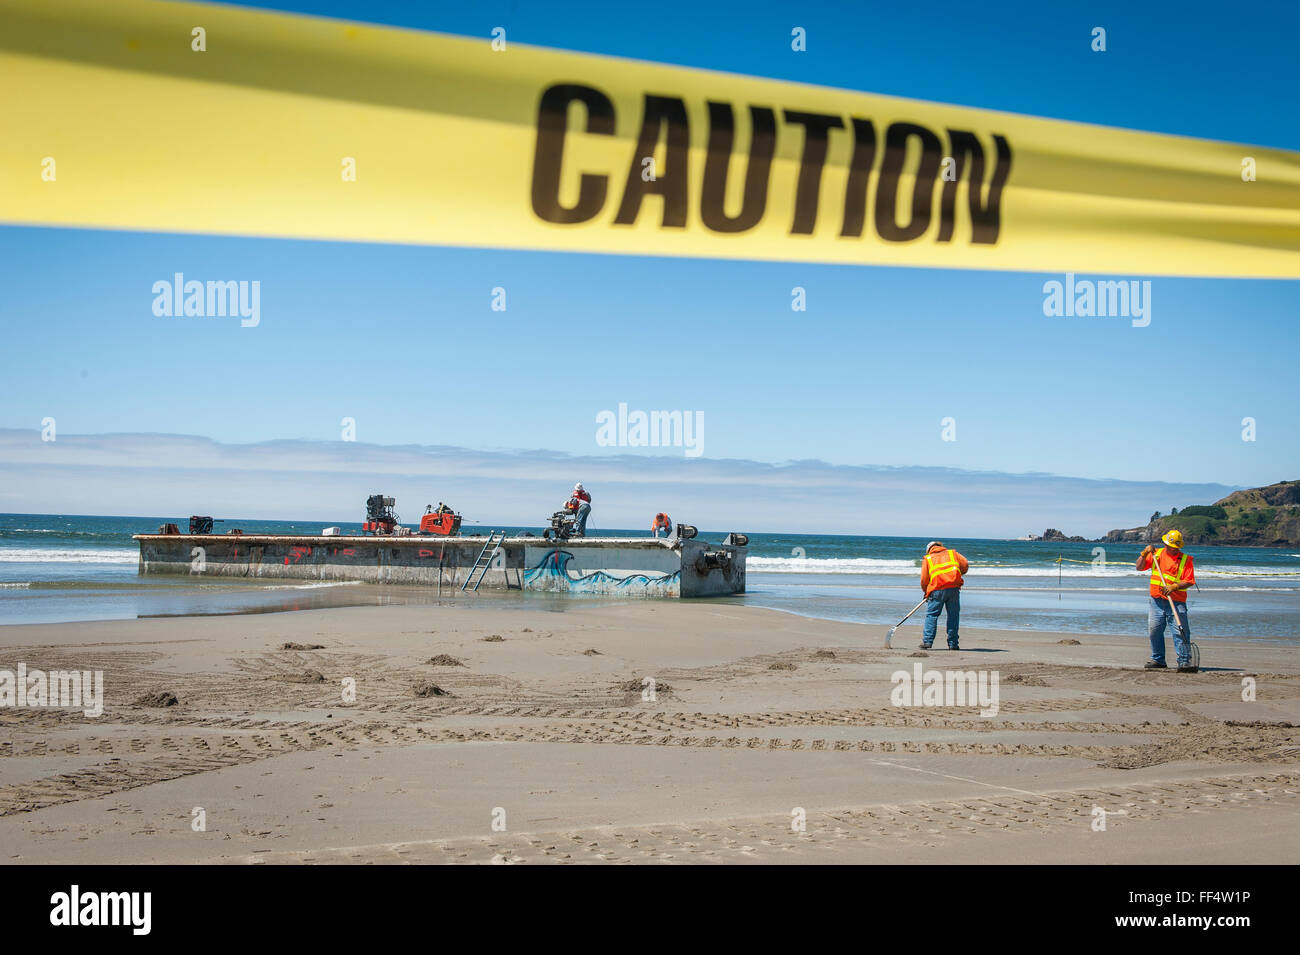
(484, 560)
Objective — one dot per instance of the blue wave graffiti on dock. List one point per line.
(553, 573)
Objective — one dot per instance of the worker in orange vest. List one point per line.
(1175, 567)
(662, 522)
(941, 580)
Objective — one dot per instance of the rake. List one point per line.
(890, 636)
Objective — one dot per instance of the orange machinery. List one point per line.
(443, 522)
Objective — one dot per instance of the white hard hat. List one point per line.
(578, 486)
(932, 544)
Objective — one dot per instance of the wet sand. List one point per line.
(761, 722)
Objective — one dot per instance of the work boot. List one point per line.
(1188, 668)
(925, 646)
(1153, 665)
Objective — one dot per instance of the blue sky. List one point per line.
(864, 377)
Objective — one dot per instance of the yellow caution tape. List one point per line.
(184, 117)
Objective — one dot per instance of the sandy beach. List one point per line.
(771, 738)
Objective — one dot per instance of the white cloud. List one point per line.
(161, 475)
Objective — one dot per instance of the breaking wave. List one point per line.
(41, 555)
(912, 568)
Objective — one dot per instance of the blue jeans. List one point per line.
(1158, 616)
(950, 598)
(580, 525)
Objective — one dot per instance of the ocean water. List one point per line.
(1245, 593)
(66, 567)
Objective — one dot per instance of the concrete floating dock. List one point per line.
(626, 567)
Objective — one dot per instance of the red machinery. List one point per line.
(444, 522)
(380, 518)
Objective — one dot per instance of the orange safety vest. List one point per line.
(945, 572)
(1173, 573)
(661, 520)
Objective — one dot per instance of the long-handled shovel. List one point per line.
(890, 636)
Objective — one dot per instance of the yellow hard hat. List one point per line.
(1174, 539)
